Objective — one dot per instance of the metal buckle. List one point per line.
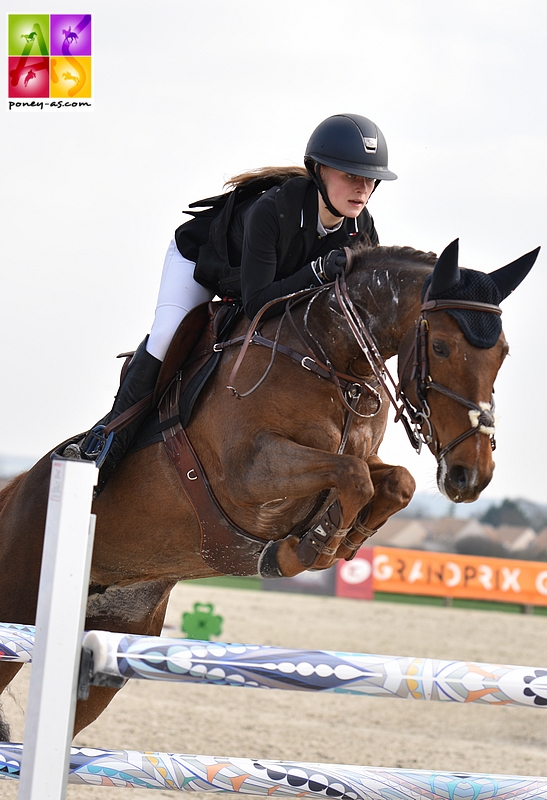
(307, 358)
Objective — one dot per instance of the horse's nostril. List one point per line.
(459, 477)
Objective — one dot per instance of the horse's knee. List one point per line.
(398, 487)
(355, 488)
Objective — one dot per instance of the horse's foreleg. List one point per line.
(141, 612)
(281, 471)
(393, 490)
(8, 671)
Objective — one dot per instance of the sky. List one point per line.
(187, 94)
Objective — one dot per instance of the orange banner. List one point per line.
(450, 575)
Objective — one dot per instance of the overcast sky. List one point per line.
(187, 94)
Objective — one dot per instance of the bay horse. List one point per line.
(287, 430)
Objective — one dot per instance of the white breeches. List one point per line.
(178, 294)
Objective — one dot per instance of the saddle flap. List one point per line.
(182, 344)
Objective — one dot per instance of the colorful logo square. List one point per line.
(70, 34)
(49, 57)
(28, 77)
(70, 77)
(28, 34)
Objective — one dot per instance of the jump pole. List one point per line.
(64, 579)
(117, 657)
(265, 778)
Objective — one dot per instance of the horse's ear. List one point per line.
(447, 272)
(508, 278)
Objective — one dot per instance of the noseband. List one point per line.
(481, 416)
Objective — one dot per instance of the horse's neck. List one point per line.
(389, 301)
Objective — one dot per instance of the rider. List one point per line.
(289, 238)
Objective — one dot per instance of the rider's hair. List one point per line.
(273, 174)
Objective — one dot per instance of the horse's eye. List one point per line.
(441, 349)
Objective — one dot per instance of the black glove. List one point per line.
(329, 266)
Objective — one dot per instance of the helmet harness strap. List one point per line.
(316, 176)
(315, 173)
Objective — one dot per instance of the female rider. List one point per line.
(287, 238)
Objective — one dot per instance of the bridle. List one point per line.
(422, 431)
(416, 418)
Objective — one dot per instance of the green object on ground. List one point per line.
(202, 623)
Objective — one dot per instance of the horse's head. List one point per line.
(449, 365)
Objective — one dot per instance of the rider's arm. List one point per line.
(260, 281)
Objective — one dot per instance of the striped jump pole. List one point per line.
(214, 663)
(188, 773)
(16, 642)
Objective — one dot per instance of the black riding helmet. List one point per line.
(350, 143)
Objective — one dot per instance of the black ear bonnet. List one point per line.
(449, 282)
(480, 328)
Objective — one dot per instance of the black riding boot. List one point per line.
(138, 382)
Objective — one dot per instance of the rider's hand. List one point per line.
(331, 265)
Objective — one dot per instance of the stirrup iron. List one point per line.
(95, 445)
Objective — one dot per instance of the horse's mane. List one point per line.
(379, 257)
(273, 174)
(10, 489)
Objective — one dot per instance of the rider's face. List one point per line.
(348, 193)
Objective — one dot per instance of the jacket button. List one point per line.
(282, 216)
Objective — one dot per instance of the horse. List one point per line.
(287, 430)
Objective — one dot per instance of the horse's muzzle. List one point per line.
(462, 484)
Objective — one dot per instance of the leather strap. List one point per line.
(307, 362)
(224, 546)
(129, 415)
(467, 305)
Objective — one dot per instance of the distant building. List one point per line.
(513, 537)
(399, 532)
(541, 542)
(443, 534)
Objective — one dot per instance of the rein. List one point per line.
(350, 388)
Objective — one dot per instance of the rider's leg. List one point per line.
(178, 294)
